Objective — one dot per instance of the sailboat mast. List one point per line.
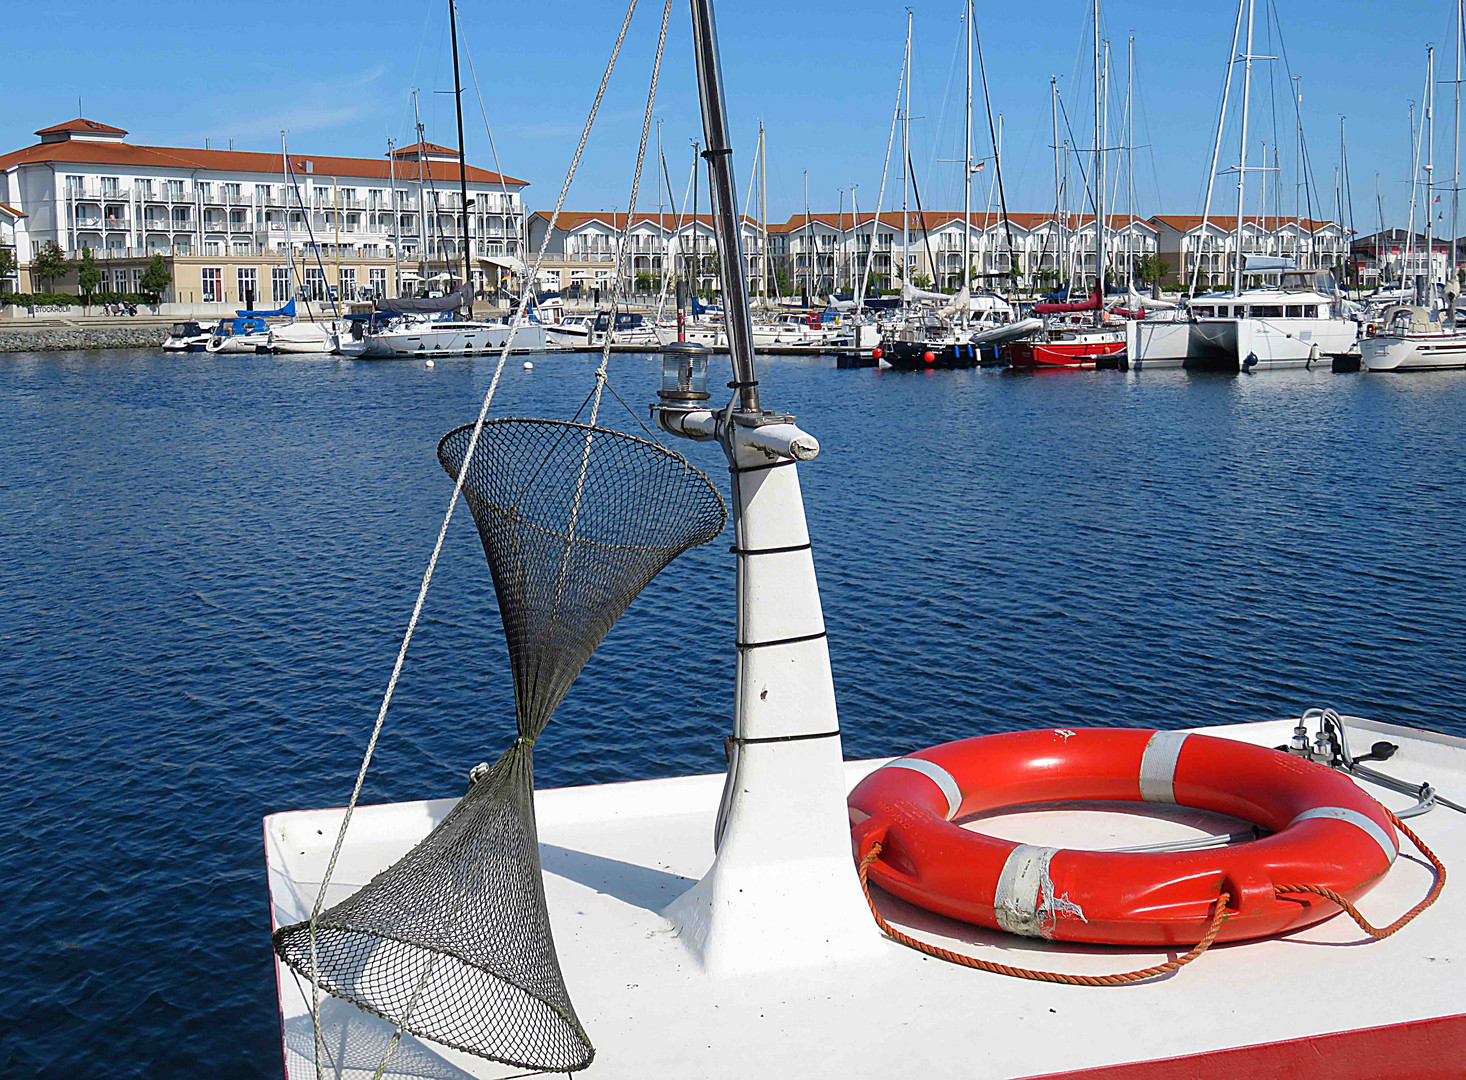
(422, 191)
(1099, 167)
(763, 213)
(462, 164)
(396, 230)
(725, 204)
(808, 250)
(1058, 190)
(906, 168)
(661, 219)
(1430, 174)
(1456, 165)
(967, 169)
(1242, 156)
(1130, 166)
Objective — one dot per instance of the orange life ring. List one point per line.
(1326, 831)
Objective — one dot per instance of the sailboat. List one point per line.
(1064, 342)
(1422, 336)
(787, 916)
(1276, 315)
(444, 326)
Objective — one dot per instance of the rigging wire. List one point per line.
(437, 552)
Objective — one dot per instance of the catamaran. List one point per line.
(946, 911)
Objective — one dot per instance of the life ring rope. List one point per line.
(1218, 918)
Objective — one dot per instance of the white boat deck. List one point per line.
(615, 855)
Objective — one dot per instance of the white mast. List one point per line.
(1059, 250)
(1099, 168)
(967, 172)
(905, 167)
(422, 196)
(1130, 167)
(1242, 160)
(396, 232)
(1414, 192)
(1456, 165)
(1430, 175)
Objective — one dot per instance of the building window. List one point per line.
(206, 190)
(280, 284)
(109, 186)
(249, 285)
(213, 285)
(175, 189)
(231, 193)
(315, 283)
(213, 247)
(135, 280)
(348, 283)
(377, 279)
(144, 188)
(74, 185)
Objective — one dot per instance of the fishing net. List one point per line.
(452, 943)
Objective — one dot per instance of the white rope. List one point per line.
(438, 545)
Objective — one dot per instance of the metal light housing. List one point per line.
(684, 376)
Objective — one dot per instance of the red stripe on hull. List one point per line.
(1077, 354)
(1432, 1049)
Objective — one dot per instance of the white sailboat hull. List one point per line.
(451, 339)
(1241, 344)
(1414, 352)
(303, 337)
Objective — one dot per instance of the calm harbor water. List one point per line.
(206, 566)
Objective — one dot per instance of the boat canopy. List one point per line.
(1092, 304)
(1267, 264)
(461, 297)
(911, 292)
(286, 312)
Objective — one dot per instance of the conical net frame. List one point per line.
(452, 942)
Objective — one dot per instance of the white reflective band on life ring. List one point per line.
(1358, 820)
(938, 775)
(1158, 766)
(1017, 899)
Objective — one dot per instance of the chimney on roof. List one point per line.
(206, 142)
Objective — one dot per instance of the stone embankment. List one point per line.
(56, 338)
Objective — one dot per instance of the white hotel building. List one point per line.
(233, 228)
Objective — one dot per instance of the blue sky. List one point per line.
(822, 75)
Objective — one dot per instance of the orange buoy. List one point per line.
(876, 354)
(1326, 831)
(929, 356)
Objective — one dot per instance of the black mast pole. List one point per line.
(462, 166)
(725, 204)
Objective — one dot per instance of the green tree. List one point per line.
(48, 264)
(7, 264)
(156, 279)
(1151, 268)
(646, 282)
(88, 277)
(921, 281)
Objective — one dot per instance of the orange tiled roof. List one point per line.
(12, 211)
(80, 125)
(238, 161)
(570, 220)
(1228, 222)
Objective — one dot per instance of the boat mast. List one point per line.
(1059, 249)
(396, 231)
(763, 213)
(725, 204)
(1242, 156)
(1430, 174)
(661, 218)
(906, 169)
(1099, 170)
(696, 240)
(808, 250)
(967, 172)
(1130, 167)
(1456, 165)
(422, 191)
(462, 164)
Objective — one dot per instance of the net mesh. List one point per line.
(452, 943)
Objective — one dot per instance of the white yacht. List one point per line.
(1414, 339)
(188, 336)
(427, 336)
(1299, 322)
(240, 335)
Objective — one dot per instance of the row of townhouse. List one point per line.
(828, 252)
(235, 227)
(1396, 257)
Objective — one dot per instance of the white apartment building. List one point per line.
(828, 251)
(240, 225)
(1207, 249)
(583, 248)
